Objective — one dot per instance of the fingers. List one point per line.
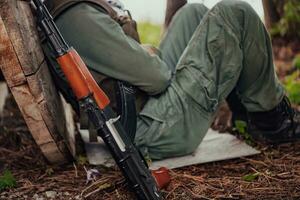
(223, 119)
(124, 20)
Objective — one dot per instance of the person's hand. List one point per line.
(150, 49)
(223, 119)
(129, 26)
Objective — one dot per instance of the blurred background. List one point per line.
(154, 11)
(151, 15)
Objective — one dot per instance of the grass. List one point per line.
(149, 33)
(292, 82)
(7, 180)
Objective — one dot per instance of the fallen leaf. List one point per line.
(251, 177)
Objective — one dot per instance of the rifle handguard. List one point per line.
(80, 79)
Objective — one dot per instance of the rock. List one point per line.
(50, 194)
(78, 197)
(67, 194)
(37, 197)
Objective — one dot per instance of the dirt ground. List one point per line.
(275, 172)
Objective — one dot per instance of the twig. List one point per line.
(256, 161)
(172, 191)
(196, 195)
(76, 171)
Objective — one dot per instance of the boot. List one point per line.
(279, 125)
(239, 112)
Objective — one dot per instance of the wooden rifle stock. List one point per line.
(80, 79)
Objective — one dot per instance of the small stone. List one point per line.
(67, 194)
(78, 197)
(35, 196)
(50, 194)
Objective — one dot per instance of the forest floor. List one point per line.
(273, 174)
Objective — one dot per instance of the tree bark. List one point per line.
(172, 7)
(271, 14)
(23, 65)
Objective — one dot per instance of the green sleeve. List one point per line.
(105, 48)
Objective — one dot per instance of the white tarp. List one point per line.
(214, 147)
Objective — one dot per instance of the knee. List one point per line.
(236, 6)
(194, 9)
(240, 10)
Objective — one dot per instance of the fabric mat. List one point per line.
(214, 147)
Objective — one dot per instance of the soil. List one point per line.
(275, 172)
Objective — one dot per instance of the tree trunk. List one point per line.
(22, 63)
(172, 7)
(271, 14)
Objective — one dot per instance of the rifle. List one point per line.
(96, 104)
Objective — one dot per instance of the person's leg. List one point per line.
(232, 49)
(229, 49)
(270, 116)
(180, 31)
(176, 39)
(161, 125)
(207, 71)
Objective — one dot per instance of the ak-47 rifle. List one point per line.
(97, 106)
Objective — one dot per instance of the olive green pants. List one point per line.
(205, 55)
(212, 53)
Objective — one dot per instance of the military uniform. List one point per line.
(204, 55)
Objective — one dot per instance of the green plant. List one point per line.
(251, 177)
(241, 127)
(82, 160)
(49, 171)
(292, 86)
(289, 23)
(7, 180)
(296, 61)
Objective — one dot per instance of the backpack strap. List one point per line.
(56, 7)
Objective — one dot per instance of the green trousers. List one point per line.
(212, 52)
(205, 55)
